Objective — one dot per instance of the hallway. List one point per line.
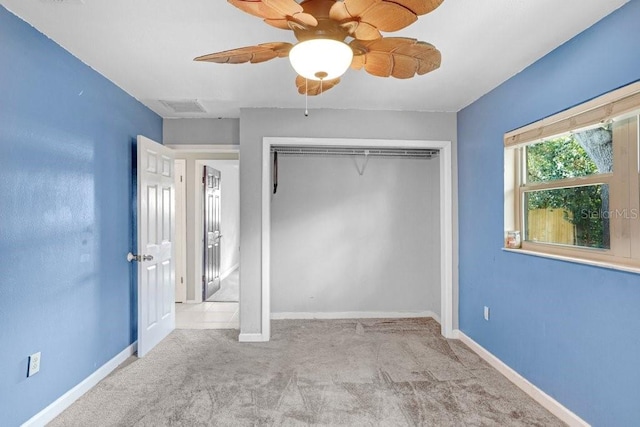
(208, 315)
(229, 289)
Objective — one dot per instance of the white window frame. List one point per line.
(621, 105)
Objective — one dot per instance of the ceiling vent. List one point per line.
(63, 1)
(187, 106)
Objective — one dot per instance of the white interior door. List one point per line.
(156, 224)
(212, 235)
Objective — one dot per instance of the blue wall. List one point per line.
(570, 329)
(66, 137)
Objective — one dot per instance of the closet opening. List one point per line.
(356, 228)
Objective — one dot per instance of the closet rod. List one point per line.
(354, 151)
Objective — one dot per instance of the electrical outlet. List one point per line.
(486, 313)
(34, 364)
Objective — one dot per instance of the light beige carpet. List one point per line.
(312, 372)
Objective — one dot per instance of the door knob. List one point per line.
(139, 258)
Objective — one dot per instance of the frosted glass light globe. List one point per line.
(321, 59)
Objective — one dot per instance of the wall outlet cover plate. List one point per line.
(34, 364)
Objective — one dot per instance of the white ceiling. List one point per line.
(147, 48)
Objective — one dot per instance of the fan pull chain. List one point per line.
(306, 98)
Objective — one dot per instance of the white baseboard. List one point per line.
(355, 315)
(228, 272)
(63, 402)
(548, 402)
(252, 338)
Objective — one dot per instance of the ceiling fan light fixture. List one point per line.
(321, 59)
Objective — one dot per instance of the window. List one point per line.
(572, 181)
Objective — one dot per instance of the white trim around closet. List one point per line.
(446, 219)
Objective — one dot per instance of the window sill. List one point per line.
(601, 264)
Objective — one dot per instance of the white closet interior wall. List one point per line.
(345, 242)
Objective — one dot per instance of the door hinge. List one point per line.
(181, 280)
(180, 178)
(203, 278)
(203, 180)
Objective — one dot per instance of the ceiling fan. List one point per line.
(333, 35)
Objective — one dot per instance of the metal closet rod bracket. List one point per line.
(364, 164)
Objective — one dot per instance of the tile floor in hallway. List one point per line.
(208, 315)
(229, 289)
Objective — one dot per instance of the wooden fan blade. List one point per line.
(290, 23)
(284, 7)
(257, 8)
(385, 15)
(314, 87)
(271, 10)
(361, 30)
(365, 31)
(356, 28)
(429, 58)
(283, 24)
(254, 54)
(357, 62)
(358, 7)
(427, 65)
(289, 8)
(379, 64)
(339, 12)
(386, 44)
(305, 19)
(398, 57)
(420, 7)
(404, 67)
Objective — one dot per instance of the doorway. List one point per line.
(194, 312)
(446, 221)
(216, 247)
(229, 230)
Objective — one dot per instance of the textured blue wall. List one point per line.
(570, 329)
(66, 136)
